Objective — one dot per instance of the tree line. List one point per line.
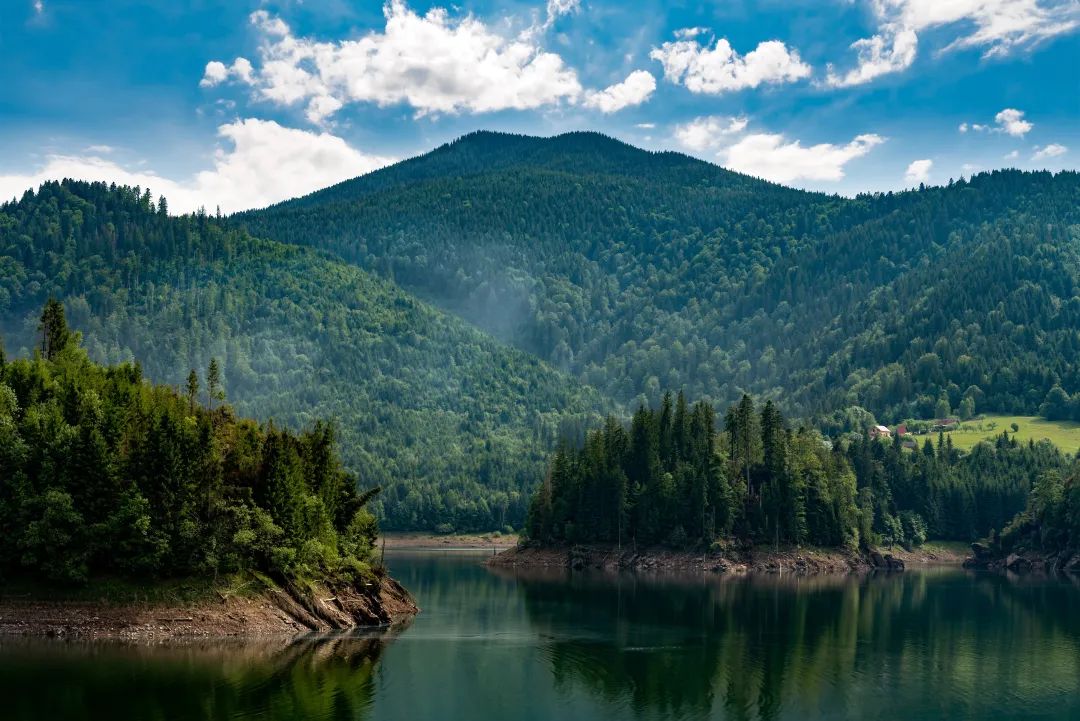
(673, 478)
(102, 472)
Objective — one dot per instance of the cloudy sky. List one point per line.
(239, 104)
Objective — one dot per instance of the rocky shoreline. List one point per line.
(798, 561)
(275, 610)
(984, 557)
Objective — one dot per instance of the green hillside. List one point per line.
(455, 425)
(638, 271)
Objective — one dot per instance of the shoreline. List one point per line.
(758, 559)
(422, 541)
(271, 611)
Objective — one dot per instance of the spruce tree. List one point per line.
(192, 389)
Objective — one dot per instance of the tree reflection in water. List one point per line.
(306, 678)
(766, 647)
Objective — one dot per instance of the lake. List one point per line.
(552, 645)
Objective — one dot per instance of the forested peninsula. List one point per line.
(673, 490)
(149, 510)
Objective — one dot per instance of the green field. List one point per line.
(1064, 434)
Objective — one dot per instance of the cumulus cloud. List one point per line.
(1052, 150)
(709, 132)
(1012, 155)
(1009, 121)
(434, 63)
(774, 157)
(263, 163)
(217, 72)
(999, 26)
(635, 90)
(720, 69)
(918, 171)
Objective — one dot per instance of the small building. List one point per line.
(901, 430)
(880, 432)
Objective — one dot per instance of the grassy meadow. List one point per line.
(1064, 434)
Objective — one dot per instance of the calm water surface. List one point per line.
(548, 645)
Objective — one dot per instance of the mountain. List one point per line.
(638, 271)
(459, 312)
(455, 425)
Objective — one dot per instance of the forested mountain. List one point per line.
(639, 270)
(550, 267)
(455, 426)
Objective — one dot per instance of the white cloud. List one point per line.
(265, 163)
(721, 69)
(39, 7)
(999, 26)
(1052, 150)
(709, 133)
(217, 72)
(99, 149)
(1011, 121)
(645, 126)
(434, 63)
(558, 8)
(773, 157)
(1013, 155)
(878, 55)
(918, 172)
(688, 33)
(635, 90)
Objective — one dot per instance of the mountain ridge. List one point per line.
(615, 276)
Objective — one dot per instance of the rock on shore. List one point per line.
(986, 558)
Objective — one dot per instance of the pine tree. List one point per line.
(55, 335)
(192, 389)
(213, 382)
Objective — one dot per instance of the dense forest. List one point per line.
(455, 426)
(103, 472)
(671, 479)
(1051, 521)
(458, 314)
(639, 271)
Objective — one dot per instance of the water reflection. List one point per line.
(916, 645)
(549, 645)
(307, 678)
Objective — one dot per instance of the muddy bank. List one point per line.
(268, 610)
(757, 559)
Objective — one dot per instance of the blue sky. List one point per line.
(239, 104)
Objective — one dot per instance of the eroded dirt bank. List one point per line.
(268, 611)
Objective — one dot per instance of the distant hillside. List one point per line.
(455, 425)
(638, 271)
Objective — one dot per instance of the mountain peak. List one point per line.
(484, 152)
